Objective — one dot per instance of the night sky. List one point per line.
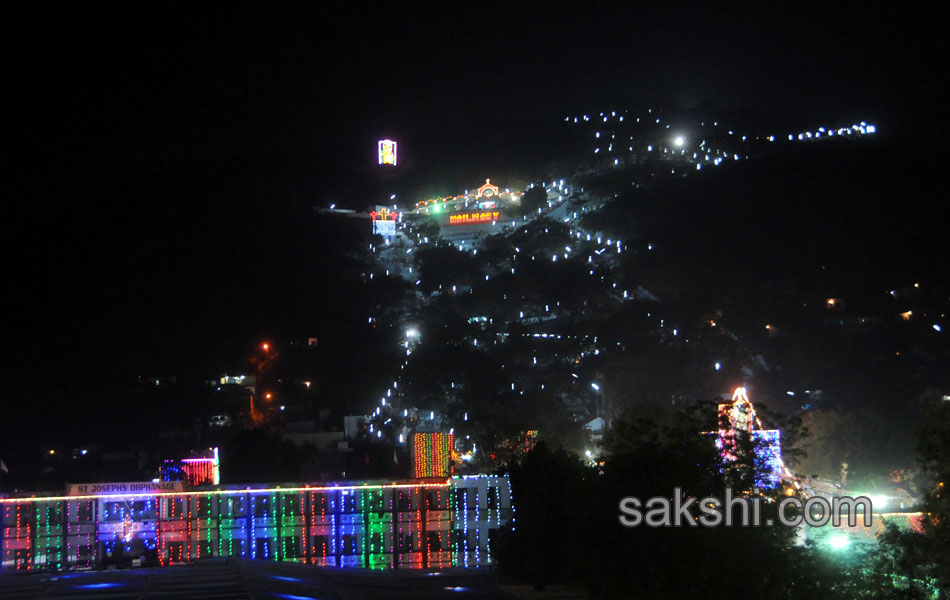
(137, 131)
(104, 96)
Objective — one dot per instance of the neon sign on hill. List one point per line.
(474, 218)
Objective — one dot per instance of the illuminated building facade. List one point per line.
(431, 454)
(412, 524)
(488, 190)
(200, 470)
(481, 206)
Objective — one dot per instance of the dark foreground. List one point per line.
(251, 580)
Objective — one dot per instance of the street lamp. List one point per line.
(599, 408)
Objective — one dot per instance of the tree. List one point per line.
(550, 486)
(445, 266)
(427, 227)
(568, 529)
(533, 199)
(259, 455)
(918, 556)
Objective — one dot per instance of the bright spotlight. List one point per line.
(679, 141)
(839, 541)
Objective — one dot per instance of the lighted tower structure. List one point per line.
(737, 420)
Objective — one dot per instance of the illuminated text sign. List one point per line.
(134, 487)
(474, 218)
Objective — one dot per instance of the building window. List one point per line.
(233, 507)
(176, 551)
(376, 543)
(175, 508)
(349, 502)
(263, 507)
(203, 507)
(86, 511)
(265, 548)
(405, 502)
(321, 545)
(349, 544)
(291, 547)
(374, 502)
(437, 500)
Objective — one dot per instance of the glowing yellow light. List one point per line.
(127, 527)
(907, 315)
(488, 189)
(265, 346)
(387, 152)
(384, 214)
